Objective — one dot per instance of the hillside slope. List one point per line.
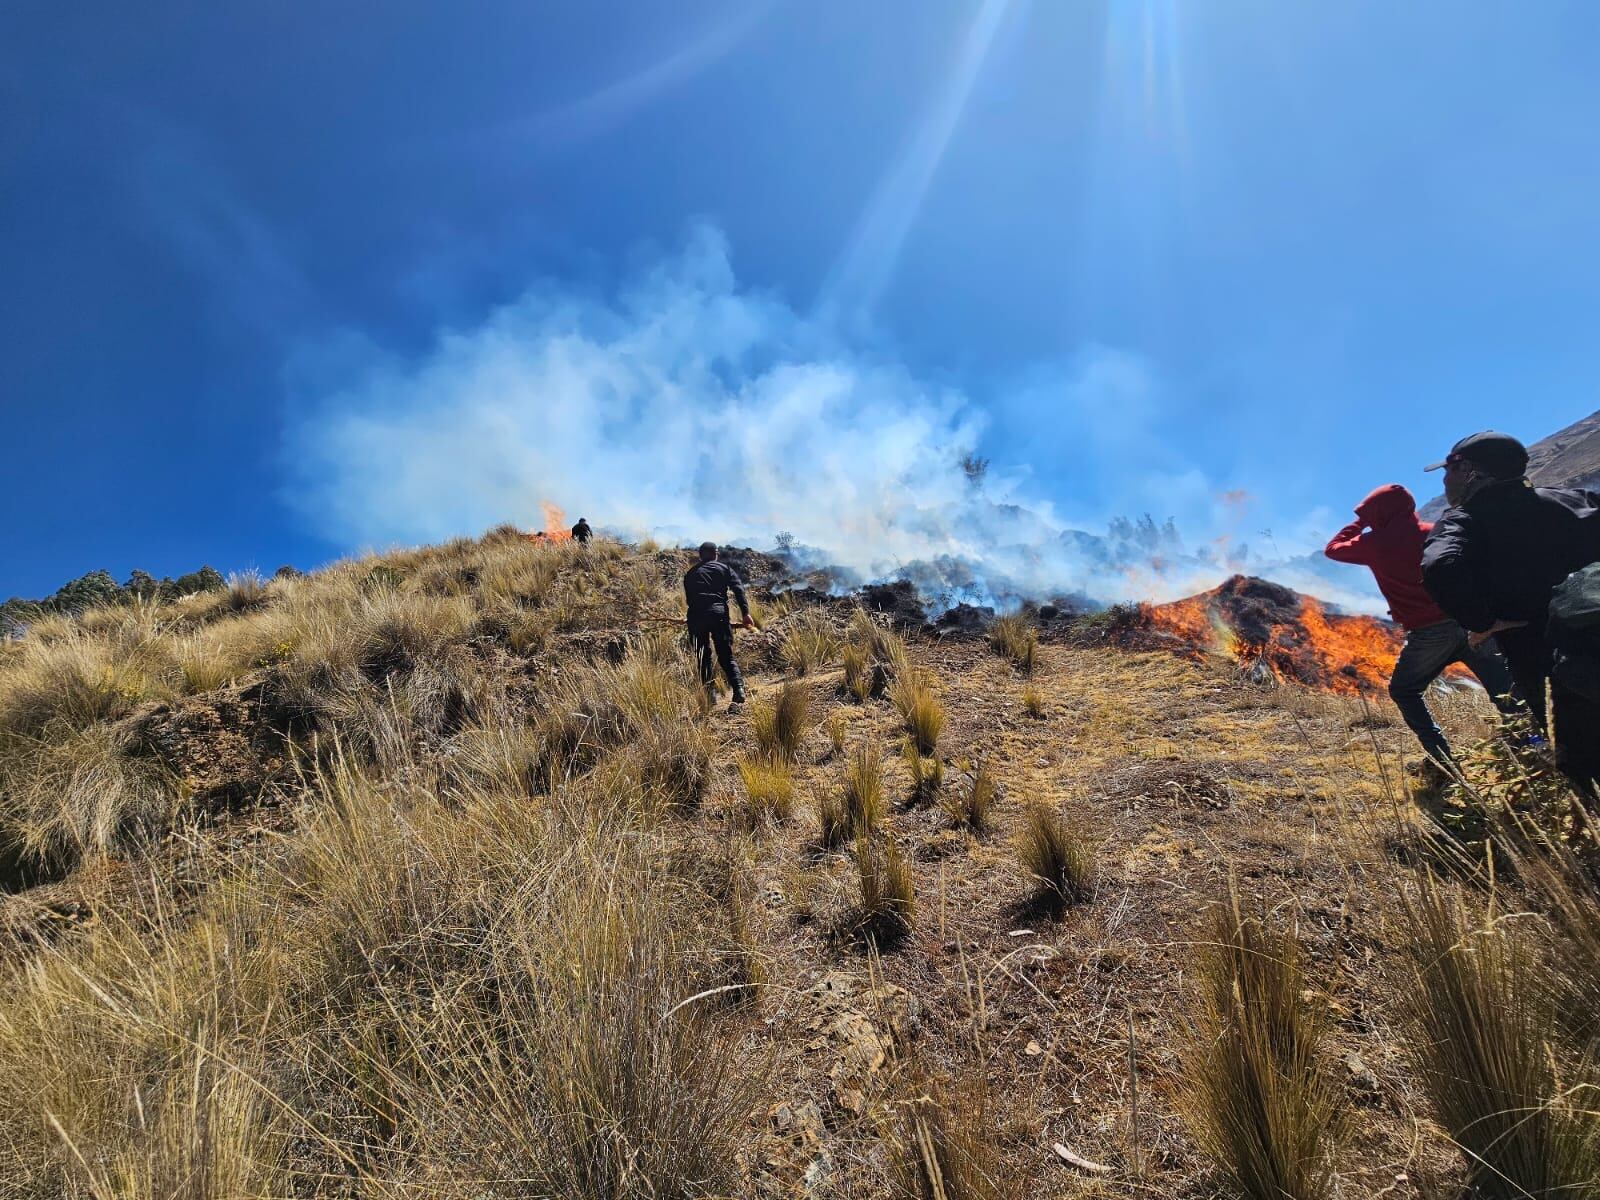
(1569, 457)
(433, 875)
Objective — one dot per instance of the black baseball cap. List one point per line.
(1497, 454)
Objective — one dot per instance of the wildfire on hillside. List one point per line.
(555, 524)
(1273, 632)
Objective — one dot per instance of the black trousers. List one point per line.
(1573, 721)
(713, 632)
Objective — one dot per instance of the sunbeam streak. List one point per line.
(863, 270)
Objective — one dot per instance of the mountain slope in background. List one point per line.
(1567, 458)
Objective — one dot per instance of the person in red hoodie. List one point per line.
(1387, 537)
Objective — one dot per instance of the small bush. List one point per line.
(920, 710)
(809, 642)
(1033, 702)
(780, 727)
(1015, 639)
(1259, 1100)
(887, 895)
(973, 805)
(769, 790)
(1055, 859)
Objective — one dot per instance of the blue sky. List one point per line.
(283, 281)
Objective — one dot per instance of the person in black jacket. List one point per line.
(705, 587)
(581, 532)
(1492, 561)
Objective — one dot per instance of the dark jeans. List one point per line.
(714, 632)
(1573, 720)
(1427, 652)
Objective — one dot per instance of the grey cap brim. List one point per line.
(1438, 466)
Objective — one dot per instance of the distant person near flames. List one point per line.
(1387, 537)
(705, 587)
(581, 533)
(1494, 561)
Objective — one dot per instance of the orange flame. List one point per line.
(555, 524)
(1308, 643)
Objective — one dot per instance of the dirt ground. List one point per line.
(1070, 1031)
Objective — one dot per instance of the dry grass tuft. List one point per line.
(944, 1147)
(1479, 1020)
(768, 789)
(927, 774)
(919, 709)
(859, 808)
(972, 807)
(1259, 1100)
(837, 726)
(1056, 859)
(888, 897)
(780, 727)
(1033, 702)
(809, 641)
(1015, 639)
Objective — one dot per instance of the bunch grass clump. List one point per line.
(809, 642)
(780, 727)
(927, 774)
(1015, 639)
(1259, 1100)
(972, 807)
(920, 710)
(859, 808)
(1480, 1019)
(944, 1146)
(888, 896)
(1033, 701)
(769, 790)
(1056, 860)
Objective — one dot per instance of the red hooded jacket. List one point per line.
(1387, 537)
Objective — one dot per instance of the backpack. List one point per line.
(1574, 632)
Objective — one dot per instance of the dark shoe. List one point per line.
(737, 701)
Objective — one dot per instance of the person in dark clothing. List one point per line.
(1492, 562)
(581, 532)
(705, 587)
(1387, 537)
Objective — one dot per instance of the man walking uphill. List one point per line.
(1387, 537)
(705, 587)
(581, 533)
(1492, 562)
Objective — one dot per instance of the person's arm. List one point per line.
(1450, 572)
(688, 598)
(1350, 545)
(737, 586)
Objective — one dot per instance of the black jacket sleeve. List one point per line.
(1450, 571)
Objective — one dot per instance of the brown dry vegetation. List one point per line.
(434, 875)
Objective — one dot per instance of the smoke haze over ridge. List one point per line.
(685, 406)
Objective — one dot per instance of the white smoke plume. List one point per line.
(687, 408)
